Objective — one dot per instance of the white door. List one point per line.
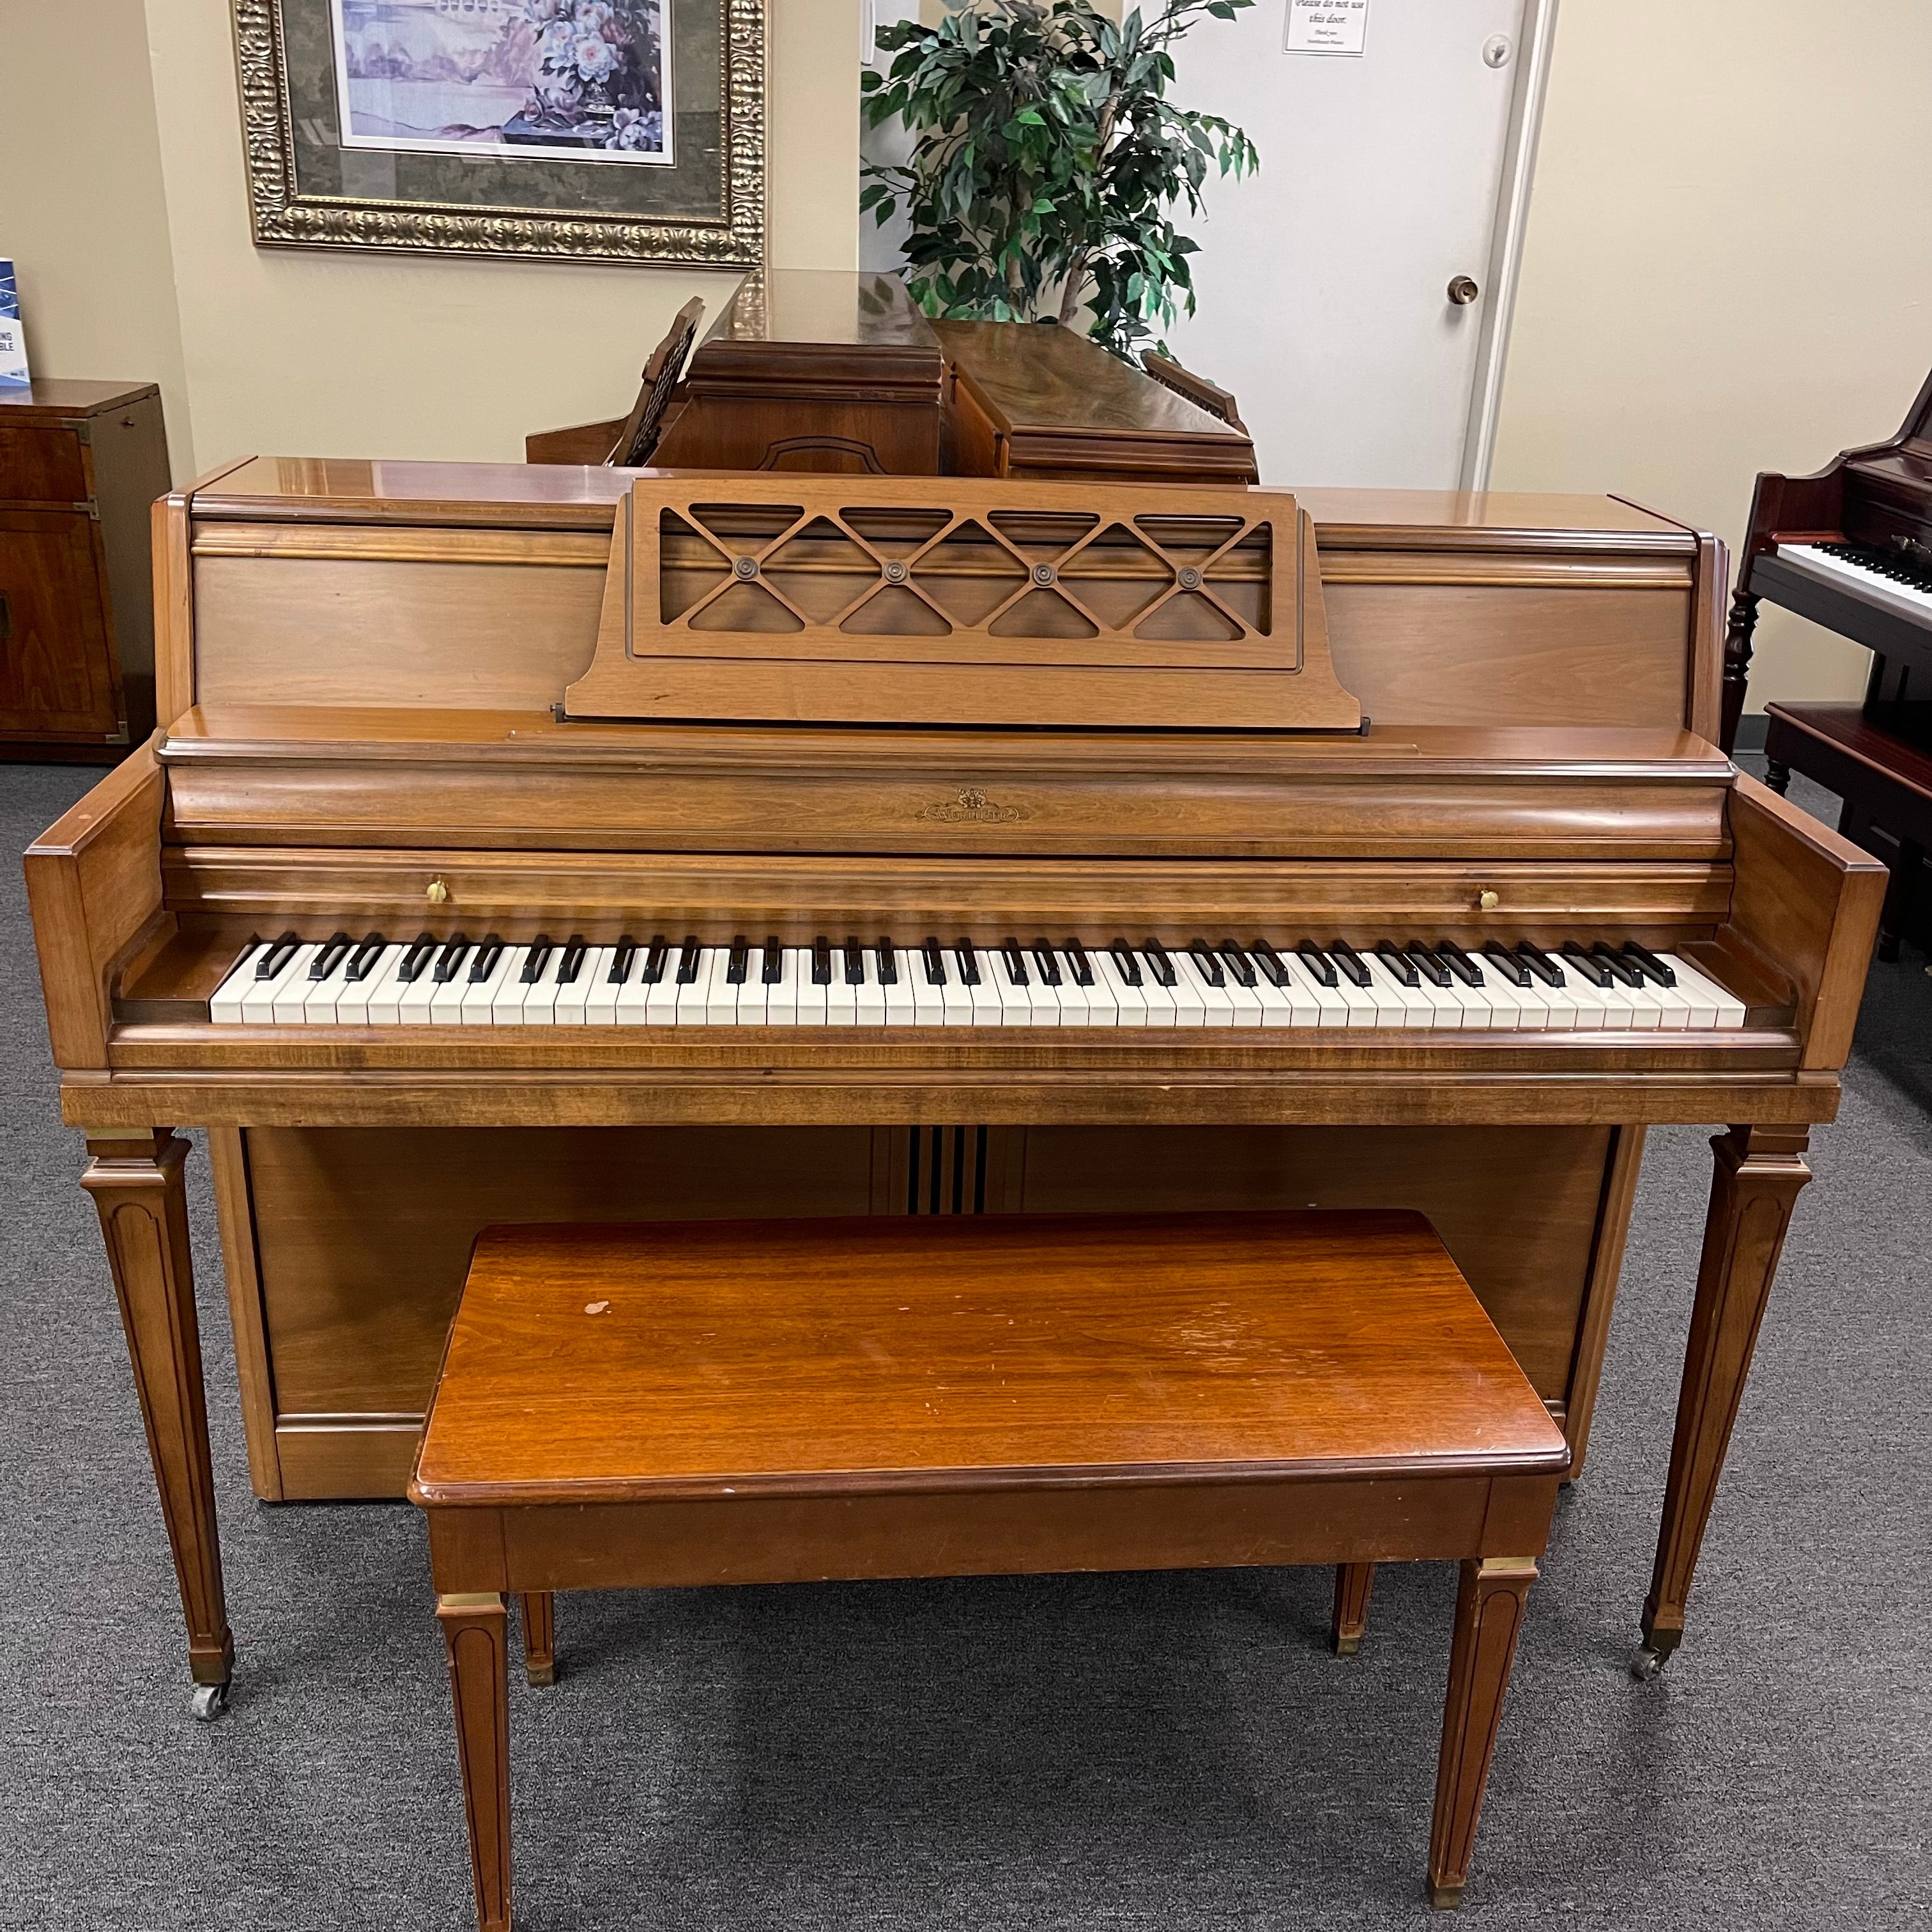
(1324, 281)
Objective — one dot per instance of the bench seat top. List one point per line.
(857, 1357)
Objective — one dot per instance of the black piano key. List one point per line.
(1271, 963)
(1238, 963)
(934, 960)
(1317, 962)
(449, 961)
(1123, 958)
(1458, 962)
(855, 963)
(421, 953)
(1502, 961)
(655, 961)
(1580, 961)
(621, 961)
(1159, 964)
(1426, 964)
(364, 963)
(888, 963)
(1074, 954)
(772, 971)
(487, 954)
(575, 952)
(821, 961)
(278, 956)
(1402, 968)
(1351, 962)
(541, 949)
(739, 964)
(691, 956)
(1647, 963)
(331, 956)
(1622, 969)
(1202, 954)
(1539, 963)
(1015, 959)
(969, 965)
(1049, 967)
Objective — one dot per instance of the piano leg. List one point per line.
(1737, 661)
(136, 1181)
(537, 1610)
(1760, 1171)
(1353, 1582)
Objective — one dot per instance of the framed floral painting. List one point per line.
(591, 130)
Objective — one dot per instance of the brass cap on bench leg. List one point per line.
(1445, 1897)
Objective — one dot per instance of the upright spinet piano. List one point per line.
(1457, 958)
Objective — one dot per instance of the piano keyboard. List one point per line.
(1435, 986)
(1889, 582)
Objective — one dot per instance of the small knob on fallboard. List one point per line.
(438, 893)
(1487, 900)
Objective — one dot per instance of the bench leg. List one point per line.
(136, 1181)
(1352, 1583)
(537, 1608)
(1489, 1606)
(1900, 890)
(475, 1632)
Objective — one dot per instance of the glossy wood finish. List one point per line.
(901, 602)
(1759, 1171)
(135, 1183)
(1218, 402)
(1040, 400)
(80, 463)
(1884, 777)
(804, 1400)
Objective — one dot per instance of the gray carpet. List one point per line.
(1163, 1751)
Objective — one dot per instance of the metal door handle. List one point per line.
(1462, 291)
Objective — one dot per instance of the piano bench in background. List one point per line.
(1885, 779)
(762, 1401)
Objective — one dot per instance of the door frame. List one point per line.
(1533, 61)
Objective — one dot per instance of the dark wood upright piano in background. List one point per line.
(369, 758)
(1851, 548)
(819, 370)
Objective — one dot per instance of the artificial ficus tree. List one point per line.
(1048, 164)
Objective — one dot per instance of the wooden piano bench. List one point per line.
(800, 1401)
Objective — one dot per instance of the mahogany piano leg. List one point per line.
(1777, 775)
(1352, 1583)
(1760, 1171)
(1737, 661)
(537, 1611)
(476, 1633)
(1489, 1605)
(136, 1181)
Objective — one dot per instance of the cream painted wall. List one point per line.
(82, 208)
(131, 227)
(1726, 269)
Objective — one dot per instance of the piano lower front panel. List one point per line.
(357, 1239)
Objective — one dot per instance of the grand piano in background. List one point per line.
(1851, 549)
(361, 668)
(821, 371)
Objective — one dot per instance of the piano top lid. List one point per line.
(517, 496)
(834, 307)
(218, 733)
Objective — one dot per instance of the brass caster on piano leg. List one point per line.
(208, 1701)
(1646, 1664)
(1445, 1897)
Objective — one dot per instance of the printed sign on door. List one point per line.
(1326, 27)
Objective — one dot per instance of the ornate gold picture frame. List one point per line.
(629, 130)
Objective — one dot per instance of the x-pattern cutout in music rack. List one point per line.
(963, 600)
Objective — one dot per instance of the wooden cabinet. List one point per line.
(80, 463)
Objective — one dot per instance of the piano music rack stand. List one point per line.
(748, 1402)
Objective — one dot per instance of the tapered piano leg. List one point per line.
(136, 1181)
(1760, 1171)
(1737, 661)
(475, 1633)
(538, 1610)
(1353, 1582)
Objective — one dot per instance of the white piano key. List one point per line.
(540, 1000)
(1416, 1010)
(258, 995)
(814, 997)
(506, 1002)
(1016, 994)
(928, 1001)
(781, 996)
(1330, 1009)
(479, 996)
(871, 1003)
(224, 1005)
(416, 996)
(318, 1001)
(690, 997)
(292, 988)
(1705, 994)
(1290, 1003)
(842, 996)
(1359, 1002)
(1871, 586)
(1069, 996)
(902, 997)
(352, 1002)
(573, 1000)
(720, 1003)
(1388, 1007)
(1190, 1007)
(1103, 1009)
(1217, 1003)
(1130, 1005)
(600, 1008)
(445, 1002)
(754, 995)
(985, 997)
